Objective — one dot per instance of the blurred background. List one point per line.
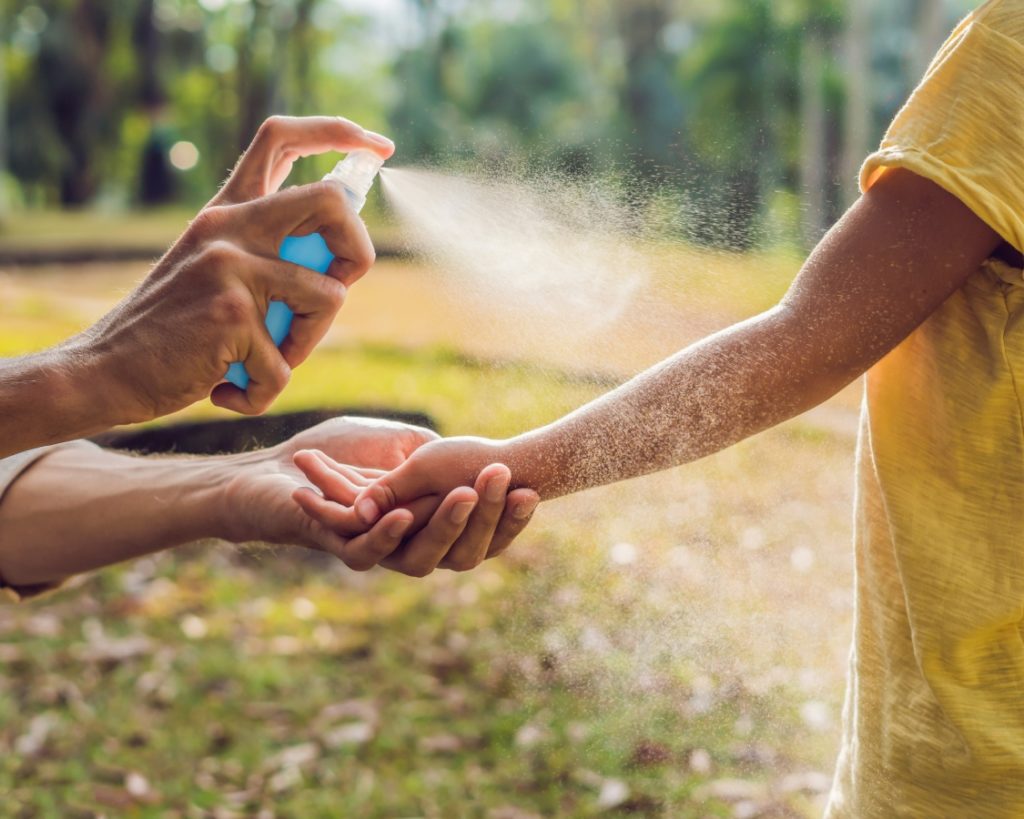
(770, 106)
(672, 646)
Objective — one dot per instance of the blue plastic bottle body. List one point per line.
(308, 251)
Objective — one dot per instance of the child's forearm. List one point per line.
(719, 391)
(79, 509)
(889, 263)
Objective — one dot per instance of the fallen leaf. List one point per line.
(613, 793)
(809, 782)
(441, 744)
(731, 790)
(352, 733)
(34, 739)
(647, 753)
(700, 761)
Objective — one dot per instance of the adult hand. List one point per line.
(269, 498)
(170, 342)
(440, 469)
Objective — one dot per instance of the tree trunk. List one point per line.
(812, 130)
(255, 78)
(304, 50)
(3, 117)
(80, 99)
(857, 130)
(641, 24)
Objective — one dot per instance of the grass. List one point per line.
(668, 647)
(35, 229)
(50, 230)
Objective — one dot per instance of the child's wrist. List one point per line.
(530, 460)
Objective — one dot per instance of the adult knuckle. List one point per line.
(208, 221)
(230, 307)
(219, 257)
(280, 378)
(334, 293)
(271, 128)
(330, 196)
(366, 255)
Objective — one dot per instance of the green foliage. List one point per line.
(700, 97)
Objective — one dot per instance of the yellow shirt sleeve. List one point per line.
(963, 127)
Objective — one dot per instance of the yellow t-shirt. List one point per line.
(934, 714)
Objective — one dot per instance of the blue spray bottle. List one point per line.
(356, 173)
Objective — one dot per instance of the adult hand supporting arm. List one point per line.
(892, 260)
(82, 508)
(169, 343)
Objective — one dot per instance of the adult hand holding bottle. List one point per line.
(168, 344)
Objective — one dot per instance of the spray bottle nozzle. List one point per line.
(357, 172)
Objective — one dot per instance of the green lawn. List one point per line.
(673, 646)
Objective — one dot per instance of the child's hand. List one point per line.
(446, 535)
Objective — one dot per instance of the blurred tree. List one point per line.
(80, 95)
(651, 105)
(157, 185)
(256, 72)
(741, 100)
(741, 80)
(857, 133)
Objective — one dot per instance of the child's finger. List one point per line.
(356, 474)
(339, 519)
(519, 508)
(387, 492)
(335, 484)
(370, 475)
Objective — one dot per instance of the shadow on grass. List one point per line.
(242, 434)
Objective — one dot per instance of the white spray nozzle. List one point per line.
(357, 172)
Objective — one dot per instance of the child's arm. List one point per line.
(892, 260)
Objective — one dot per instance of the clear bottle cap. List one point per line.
(357, 172)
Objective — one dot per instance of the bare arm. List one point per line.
(899, 252)
(78, 509)
(52, 396)
(82, 508)
(892, 260)
(170, 341)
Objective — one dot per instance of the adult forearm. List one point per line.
(719, 391)
(79, 509)
(52, 396)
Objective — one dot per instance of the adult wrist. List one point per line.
(229, 512)
(92, 395)
(190, 491)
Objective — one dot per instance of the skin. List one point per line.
(887, 265)
(170, 341)
(55, 520)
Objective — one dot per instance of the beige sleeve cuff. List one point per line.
(11, 468)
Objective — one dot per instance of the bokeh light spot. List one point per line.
(184, 155)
